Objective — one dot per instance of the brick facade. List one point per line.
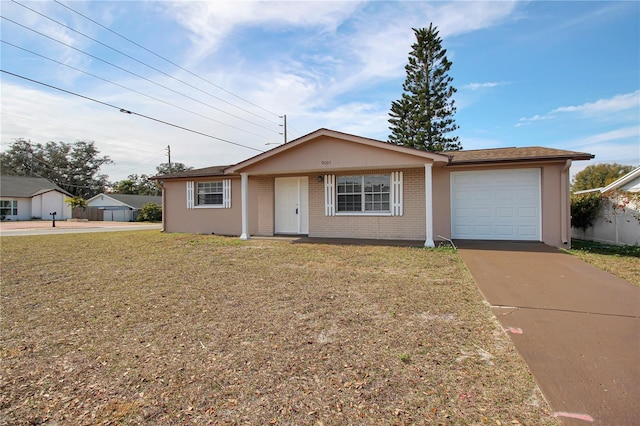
(410, 226)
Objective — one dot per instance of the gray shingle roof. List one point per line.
(530, 153)
(204, 172)
(136, 201)
(26, 187)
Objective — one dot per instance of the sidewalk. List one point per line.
(42, 227)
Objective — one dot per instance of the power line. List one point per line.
(295, 130)
(133, 90)
(129, 112)
(167, 60)
(143, 63)
(134, 74)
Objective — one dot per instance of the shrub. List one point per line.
(150, 212)
(584, 209)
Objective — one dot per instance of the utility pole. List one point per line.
(285, 127)
(169, 155)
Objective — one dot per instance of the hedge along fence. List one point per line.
(610, 218)
(584, 209)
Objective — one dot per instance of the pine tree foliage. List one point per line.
(423, 117)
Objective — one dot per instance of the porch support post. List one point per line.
(245, 208)
(428, 206)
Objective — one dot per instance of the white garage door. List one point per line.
(496, 205)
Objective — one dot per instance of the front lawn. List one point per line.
(151, 328)
(623, 261)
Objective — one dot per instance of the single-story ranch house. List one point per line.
(26, 198)
(121, 207)
(330, 184)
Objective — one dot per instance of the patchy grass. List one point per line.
(151, 328)
(622, 261)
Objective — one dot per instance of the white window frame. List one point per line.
(334, 183)
(192, 195)
(13, 207)
(396, 197)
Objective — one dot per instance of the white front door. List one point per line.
(292, 205)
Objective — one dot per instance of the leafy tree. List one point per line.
(423, 116)
(164, 169)
(599, 175)
(150, 212)
(134, 184)
(73, 167)
(76, 202)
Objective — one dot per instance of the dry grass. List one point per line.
(149, 328)
(622, 261)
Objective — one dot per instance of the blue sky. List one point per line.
(557, 74)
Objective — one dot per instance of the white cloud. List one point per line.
(528, 120)
(615, 146)
(613, 135)
(47, 37)
(487, 85)
(374, 46)
(605, 106)
(384, 40)
(601, 108)
(608, 153)
(211, 22)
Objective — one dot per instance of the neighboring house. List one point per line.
(26, 198)
(335, 185)
(121, 207)
(618, 221)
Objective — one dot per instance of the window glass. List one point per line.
(209, 193)
(365, 193)
(8, 207)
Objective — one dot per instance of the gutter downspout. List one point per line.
(565, 224)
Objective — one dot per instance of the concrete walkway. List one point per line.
(576, 326)
(44, 227)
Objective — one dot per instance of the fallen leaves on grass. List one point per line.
(150, 328)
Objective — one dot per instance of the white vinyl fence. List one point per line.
(620, 226)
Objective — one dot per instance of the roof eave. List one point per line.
(622, 180)
(191, 175)
(520, 160)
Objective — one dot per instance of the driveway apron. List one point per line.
(576, 326)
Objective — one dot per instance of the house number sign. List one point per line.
(326, 162)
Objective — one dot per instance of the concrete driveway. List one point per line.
(576, 326)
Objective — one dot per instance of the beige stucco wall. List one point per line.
(178, 218)
(328, 155)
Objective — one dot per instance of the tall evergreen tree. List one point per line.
(423, 117)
